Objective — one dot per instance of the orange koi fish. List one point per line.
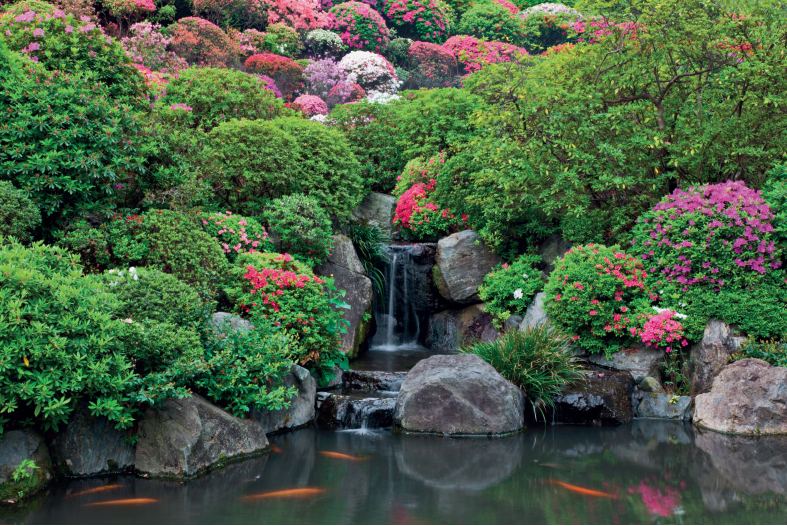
(123, 502)
(287, 493)
(95, 490)
(275, 448)
(582, 491)
(341, 456)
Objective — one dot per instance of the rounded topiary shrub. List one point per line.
(200, 42)
(433, 66)
(370, 71)
(18, 215)
(311, 105)
(321, 43)
(235, 233)
(217, 95)
(302, 227)
(424, 20)
(493, 22)
(275, 289)
(360, 26)
(285, 72)
(510, 288)
(595, 295)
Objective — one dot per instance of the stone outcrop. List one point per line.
(373, 380)
(347, 412)
(462, 263)
(662, 406)
(220, 321)
(710, 356)
(748, 397)
(90, 445)
(349, 275)
(301, 409)
(185, 437)
(451, 329)
(458, 394)
(377, 209)
(15, 447)
(602, 399)
(554, 247)
(640, 361)
(535, 315)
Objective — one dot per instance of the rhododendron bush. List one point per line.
(433, 66)
(425, 20)
(510, 288)
(359, 26)
(370, 71)
(311, 105)
(147, 46)
(276, 290)
(473, 54)
(231, 13)
(325, 79)
(595, 294)
(300, 14)
(200, 42)
(492, 22)
(286, 73)
(131, 9)
(663, 330)
(548, 25)
(322, 42)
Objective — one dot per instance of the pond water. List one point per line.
(649, 472)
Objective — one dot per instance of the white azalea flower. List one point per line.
(518, 294)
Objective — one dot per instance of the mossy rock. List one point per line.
(15, 447)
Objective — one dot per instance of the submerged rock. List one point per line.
(664, 406)
(640, 361)
(373, 380)
(346, 412)
(301, 410)
(458, 394)
(710, 356)
(90, 445)
(748, 397)
(463, 261)
(185, 437)
(15, 447)
(603, 399)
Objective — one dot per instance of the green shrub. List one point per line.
(509, 289)
(118, 241)
(217, 95)
(235, 233)
(493, 22)
(371, 131)
(62, 141)
(155, 346)
(774, 191)
(596, 295)
(286, 40)
(254, 162)
(548, 25)
(536, 360)
(18, 215)
(302, 227)
(772, 351)
(149, 294)
(274, 289)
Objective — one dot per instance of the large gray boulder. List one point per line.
(462, 263)
(458, 394)
(301, 409)
(663, 406)
(451, 329)
(554, 247)
(748, 397)
(710, 356)
(535, 315)
(602, 399)
(221, 321)
(186, 437)
(640, 361)
(349, 275)
(15, 447)
(90, 445)
(378, 209)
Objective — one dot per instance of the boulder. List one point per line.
(603, 399)
(15, 447)
(663, 406)
(462, 263)
(553, 248)
(185, 437)
(347, 412)
(349, 275)
(451, 329)
(220, 320)
(458, 394)
(710, 356)
(649, 384)
(513, 322)
(535, 314)
(90, 445)
(748, 397)
(640, 361)
(378, 209)
(373, 380)
(301, 409)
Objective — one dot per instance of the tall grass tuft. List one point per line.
(371, 243)
(536, 360)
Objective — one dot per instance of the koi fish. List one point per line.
(123, 502)
(341, 456)
(275, 448)
(95, 490)
(287, 493)
(582, 491)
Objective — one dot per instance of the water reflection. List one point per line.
(649, 472)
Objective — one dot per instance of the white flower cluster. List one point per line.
(323, 41)
(551, 9)
(319, 118)
(677, 314)
(132, 272)
(379, 97)
(371, 71)
(518, 294)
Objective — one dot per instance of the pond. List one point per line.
(653, 472)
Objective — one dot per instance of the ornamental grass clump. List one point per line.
(536, 360)
(510, 288)
(595, 294)
(360, 26)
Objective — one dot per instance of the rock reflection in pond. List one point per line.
(468, 464)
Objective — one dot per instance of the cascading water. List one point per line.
(396, 311)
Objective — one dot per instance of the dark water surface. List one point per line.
(650, 472)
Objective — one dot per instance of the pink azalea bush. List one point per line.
(425, 20)
(129, 8)
(251, 41)
(299, 14)
(710, 236)
(595, 294)
(359, 26)
(512, 8)
(147, 46)
(663, 330)
(370, 71)
(434, 65)
(201, 42)
(311, 105)
(473, 54)
(236, 234)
